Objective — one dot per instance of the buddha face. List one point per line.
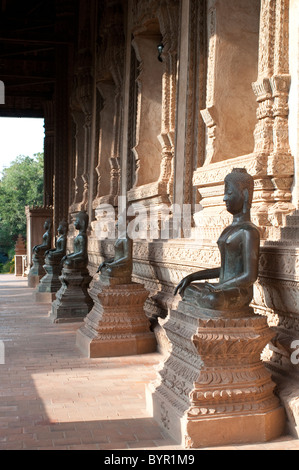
(233, 198)
(77, 223)
(81, 222)
(61, 229)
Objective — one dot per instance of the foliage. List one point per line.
(21, 185)
(8, 267)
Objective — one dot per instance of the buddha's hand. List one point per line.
(101, 267)
(180, 288)
(213, 287)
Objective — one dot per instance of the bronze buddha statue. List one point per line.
(239, 249)
(40, 250)
(79, 258)
(56, 254)
(121, 265)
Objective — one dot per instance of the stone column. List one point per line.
(272, 92)
(190, 139)
(62, 128)
(48, 153)
(281, 162)
(124, 148)
(83, 96)
(168, 19)
(107, 90)
(263, 133)
(78, 117)
(213, 389)
(62, 132)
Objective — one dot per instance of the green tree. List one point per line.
(21, 185)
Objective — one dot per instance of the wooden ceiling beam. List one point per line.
(27, 53)
(34, 41)
(26, 77)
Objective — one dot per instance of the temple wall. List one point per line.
(163, 128)
(294, 93)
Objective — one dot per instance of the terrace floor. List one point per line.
(53, 398)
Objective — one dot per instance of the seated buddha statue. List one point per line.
(239, 249)
(79, 258)
(122, 263)
(40, 250)
(55, 255)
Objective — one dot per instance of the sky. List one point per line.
(20, 136)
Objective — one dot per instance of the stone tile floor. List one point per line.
(51, 398)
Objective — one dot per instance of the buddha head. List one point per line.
(62, 228)
(238, 191)
(81, 222)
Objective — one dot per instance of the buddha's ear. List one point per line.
(246, 200)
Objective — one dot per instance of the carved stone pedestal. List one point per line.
(49, 284)
(73, 301)
(37, 270)
(117, 324)
(213, 389)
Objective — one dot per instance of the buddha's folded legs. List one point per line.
(200, 295)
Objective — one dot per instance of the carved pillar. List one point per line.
(64, 69)
(82, 103)
(281, 162)
(276, 293)
(272, 92)
(62, 128)
(208, 113)
(48, 153)
(117, 73)
(129, 110)
(78, 117)
(190, 140)
(106, 89)
(84, 95)
(109, 83)
(263, 131)
(168, 14)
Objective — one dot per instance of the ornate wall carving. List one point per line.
(231, 39)
(153, 23)
(109, 79)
